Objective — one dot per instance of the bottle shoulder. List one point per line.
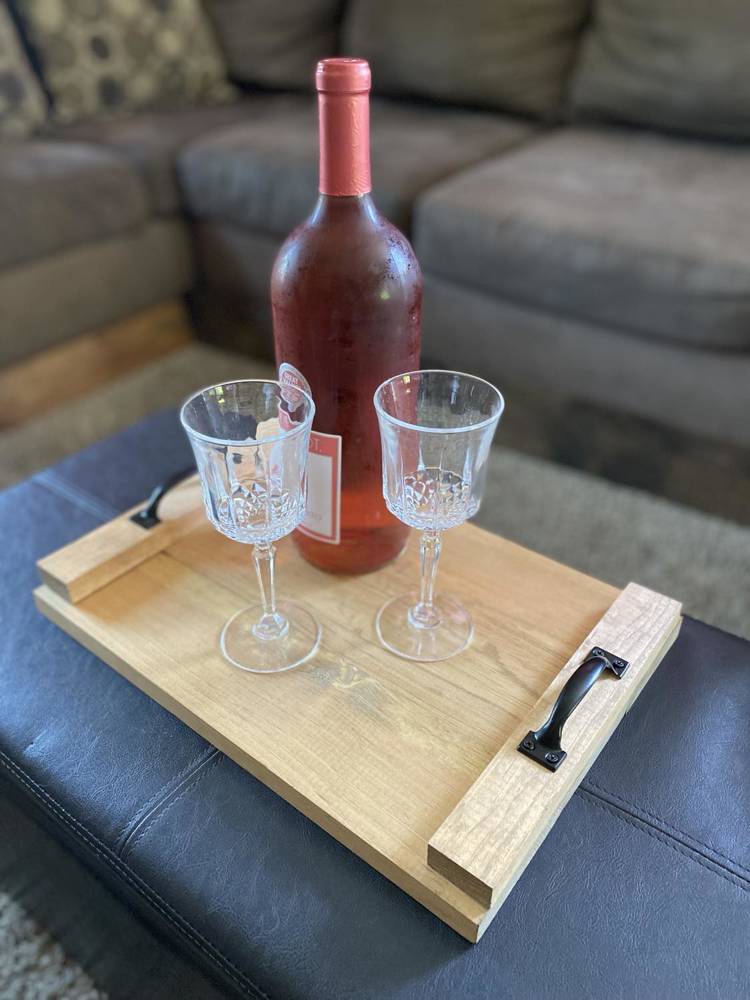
(351, 239)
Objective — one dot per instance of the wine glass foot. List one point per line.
(242, 648)
(426, 645)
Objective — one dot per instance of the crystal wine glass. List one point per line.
(436, 428)
(250, 439)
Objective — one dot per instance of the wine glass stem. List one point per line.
(424, 614)
(272, 624)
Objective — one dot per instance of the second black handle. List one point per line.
(545, 744)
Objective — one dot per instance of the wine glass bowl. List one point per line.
(250, 440)
(434, 498)
(436, 430)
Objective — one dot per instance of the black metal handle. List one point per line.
(545, 745)
(149, 516)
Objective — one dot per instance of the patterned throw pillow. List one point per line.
(23, 105)
(107, 57)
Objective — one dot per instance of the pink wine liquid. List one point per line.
(347, 297)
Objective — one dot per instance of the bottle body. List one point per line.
(346, 295)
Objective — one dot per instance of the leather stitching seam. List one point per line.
(667, 840)
(143, 889)
(667, 826)
(72, 493)
(75, 495)
(164, 807)
(162, 792)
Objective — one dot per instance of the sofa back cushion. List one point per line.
(678, 64)
(114, 56)
(510, 55)
(275, 43)
(23, 105)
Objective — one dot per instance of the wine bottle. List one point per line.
(346, 294)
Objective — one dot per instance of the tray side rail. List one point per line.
(89, 563)
(493, 832)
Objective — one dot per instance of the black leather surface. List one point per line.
(95, 928)
(642, 889)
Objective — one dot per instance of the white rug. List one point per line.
(32, 965)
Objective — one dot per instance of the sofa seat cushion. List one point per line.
(52, 299)
(263, 174)
(646, 234)
(151, 140)
(55, 196)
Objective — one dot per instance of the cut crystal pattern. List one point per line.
(435, 498)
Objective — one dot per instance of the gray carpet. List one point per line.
(613, 532)
(620, 534)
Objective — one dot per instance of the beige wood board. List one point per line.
(109, 551)
(376, 750)
(494, 831)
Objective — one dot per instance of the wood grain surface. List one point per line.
(489, 838)
(107, 552)
(375, 749)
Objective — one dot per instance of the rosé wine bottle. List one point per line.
(346, 294)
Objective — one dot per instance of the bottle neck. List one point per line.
(344, 121)
(343, 209)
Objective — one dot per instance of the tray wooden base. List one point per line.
(386, 755)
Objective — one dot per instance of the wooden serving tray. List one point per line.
(414, 767)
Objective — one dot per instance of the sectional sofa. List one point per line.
(574, 175)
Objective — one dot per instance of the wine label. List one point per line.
(289, 375)
(322, 520)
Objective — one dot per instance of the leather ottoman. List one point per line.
(642, 889)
